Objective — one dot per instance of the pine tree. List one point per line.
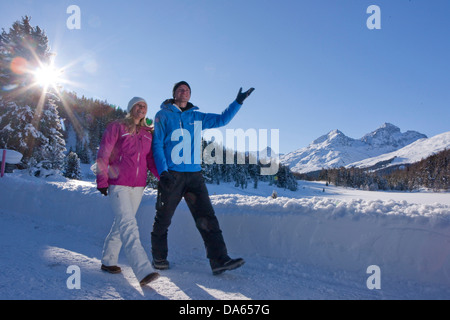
(52, 151)
(30, 122)
(254, 170)
(22, 50)
(72, 169)
(16, 129)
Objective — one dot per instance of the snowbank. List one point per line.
(407, 241)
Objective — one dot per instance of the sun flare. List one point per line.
(47, 76)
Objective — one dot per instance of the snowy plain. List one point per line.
(314, 243)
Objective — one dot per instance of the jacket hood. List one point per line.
(169, 105)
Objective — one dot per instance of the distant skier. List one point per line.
(184, 178)
(124, 156)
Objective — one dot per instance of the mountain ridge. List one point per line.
(335, 149)
(414, 152)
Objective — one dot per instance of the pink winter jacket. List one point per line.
(123, 158)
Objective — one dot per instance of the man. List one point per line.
(180, 172)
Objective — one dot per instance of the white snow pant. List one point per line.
(124, 233)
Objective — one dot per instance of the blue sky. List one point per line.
(315, 65)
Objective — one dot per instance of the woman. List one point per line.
(123, 159)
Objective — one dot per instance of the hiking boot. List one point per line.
(160, 264)
(112, 269)
(220, 266)
(151, 277)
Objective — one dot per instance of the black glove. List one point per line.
(103, 191)
(242, 96)
(167, 180)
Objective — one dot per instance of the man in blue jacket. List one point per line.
(177, 152)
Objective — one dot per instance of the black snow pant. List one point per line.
(191, 186)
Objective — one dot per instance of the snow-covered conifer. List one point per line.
(72, 169)
(29, 120)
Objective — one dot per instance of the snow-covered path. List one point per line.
(36, 254)
(315, 243)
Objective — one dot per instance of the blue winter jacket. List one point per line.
(177, 137)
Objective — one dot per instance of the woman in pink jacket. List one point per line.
(123, 159)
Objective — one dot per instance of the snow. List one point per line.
(11, 156)
(315, 243)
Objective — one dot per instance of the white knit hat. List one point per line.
(133, 102)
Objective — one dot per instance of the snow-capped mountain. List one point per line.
(335, 149)
(414, 152)
(389, 135)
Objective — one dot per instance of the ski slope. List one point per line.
(316, 243)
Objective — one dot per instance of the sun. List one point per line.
(47, 76)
